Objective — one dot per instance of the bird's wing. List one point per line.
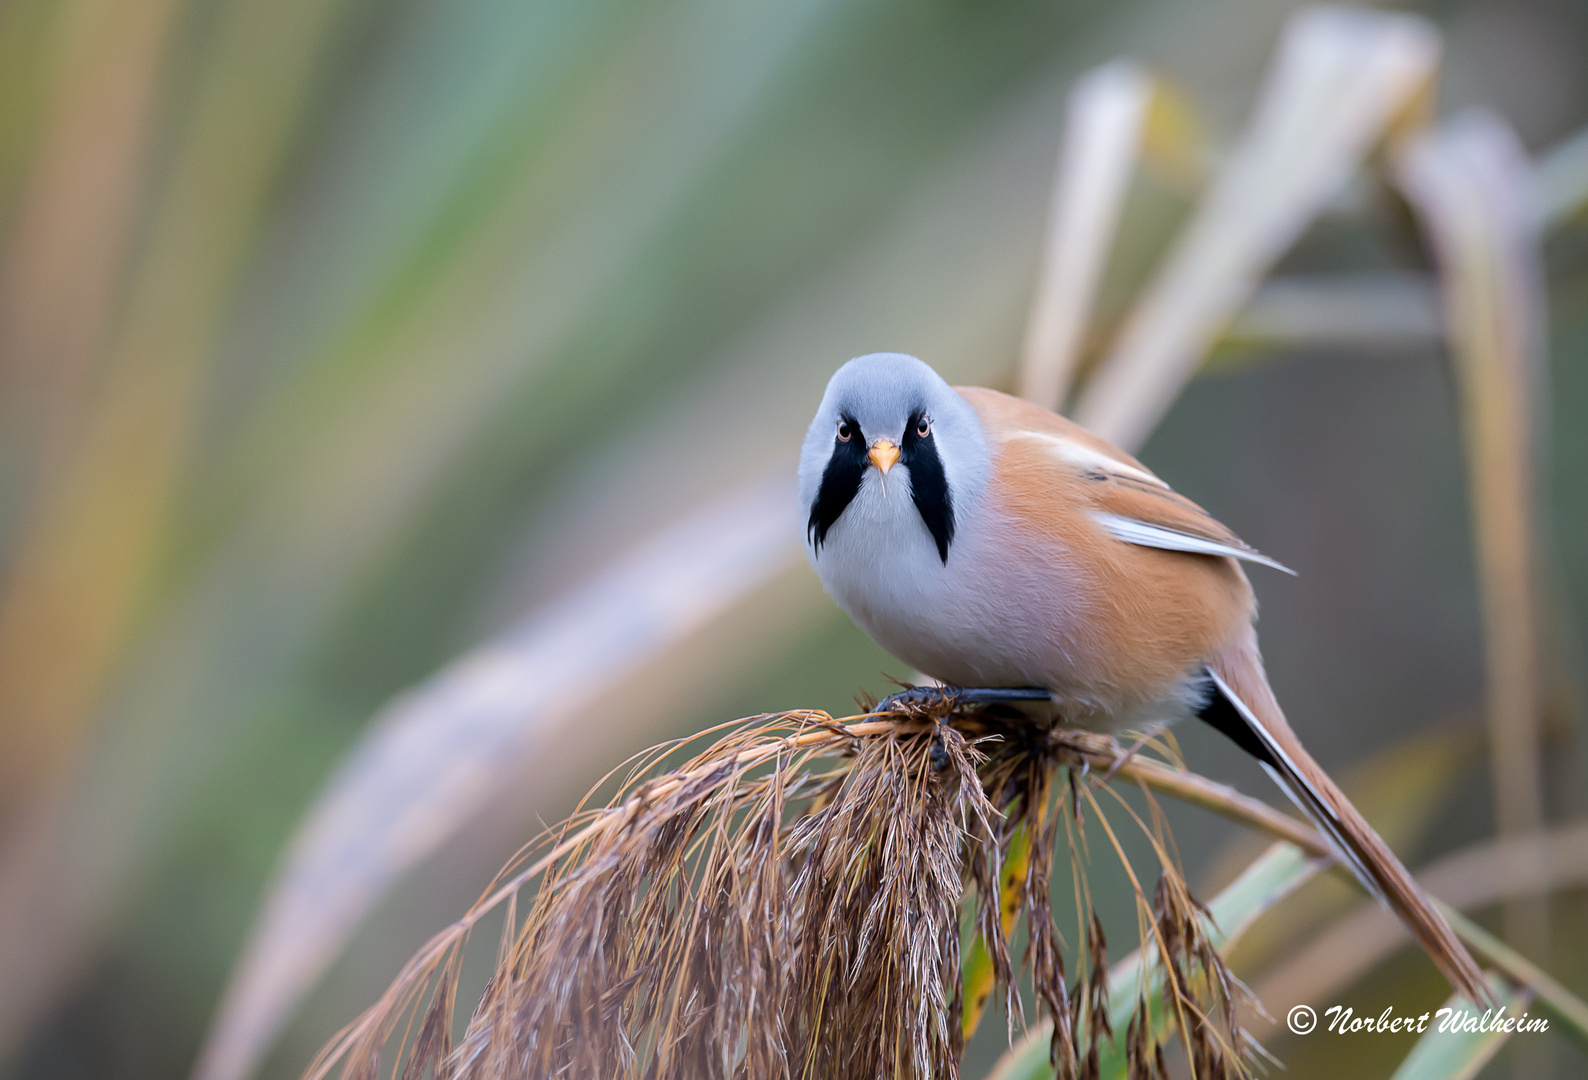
(1136, 527)
(1127, 500)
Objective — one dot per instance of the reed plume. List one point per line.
(788, 902)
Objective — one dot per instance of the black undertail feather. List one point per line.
(928, 484)
(1243, 729)
(1219, 713)
(840, 483)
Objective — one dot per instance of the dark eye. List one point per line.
(844, 431)
(923, 427)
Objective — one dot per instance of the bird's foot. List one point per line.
(924, 698)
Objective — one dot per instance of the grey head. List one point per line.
(892, 451)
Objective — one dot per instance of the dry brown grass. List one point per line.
(787, 903)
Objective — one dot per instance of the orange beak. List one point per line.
(884, 452)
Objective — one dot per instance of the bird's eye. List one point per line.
(844, 431)
(923, 427)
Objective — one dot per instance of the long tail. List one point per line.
(1244, 708)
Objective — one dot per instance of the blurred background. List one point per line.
(340, 339)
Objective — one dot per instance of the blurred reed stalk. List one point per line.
(1471, 186)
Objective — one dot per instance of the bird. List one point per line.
(1008, 553)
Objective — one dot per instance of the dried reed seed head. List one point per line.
(787, 904)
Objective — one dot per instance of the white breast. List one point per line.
(981, 619)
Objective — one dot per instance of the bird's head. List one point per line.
(892, 448)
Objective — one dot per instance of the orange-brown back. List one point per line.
(1153, 617)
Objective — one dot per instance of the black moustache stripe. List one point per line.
(929, 485)
(840, 483)
(847, 468)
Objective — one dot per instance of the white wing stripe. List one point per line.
(1139, 532)
(1088, 457)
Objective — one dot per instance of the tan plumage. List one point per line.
(1150, 615)
(1012, 548)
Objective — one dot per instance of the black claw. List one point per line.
(916, 697)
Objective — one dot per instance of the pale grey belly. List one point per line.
(988, 619)
(993, 638)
